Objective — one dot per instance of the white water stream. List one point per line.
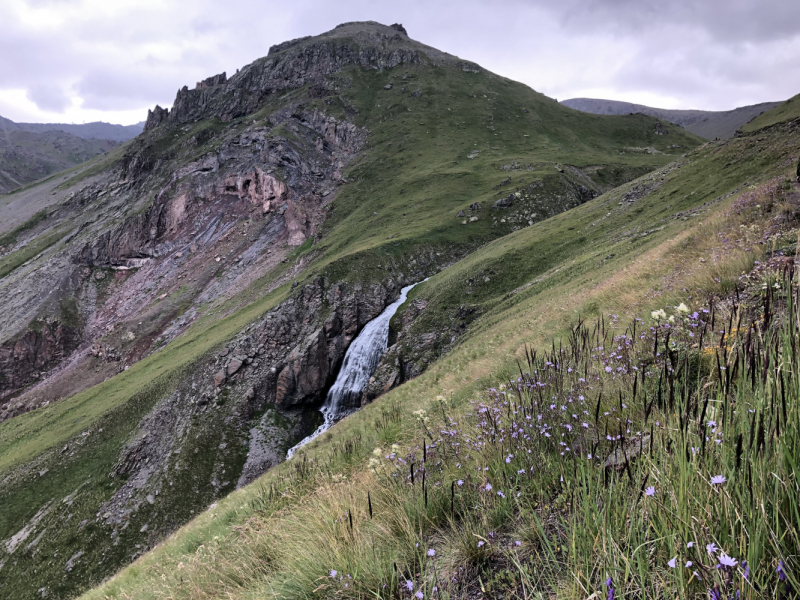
(360, 361)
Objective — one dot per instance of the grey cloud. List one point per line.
(48, 97)
(704, 53)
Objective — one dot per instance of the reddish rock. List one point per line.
(219, 378)
(234, 365)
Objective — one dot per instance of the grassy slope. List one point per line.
(596, 265)
(416, 174)
(416, 163)
(787, 111)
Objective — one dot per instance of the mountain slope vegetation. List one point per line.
(27, 156)
(693, 233)
(200, 285)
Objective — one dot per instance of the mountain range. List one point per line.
(707, 124)
(32, 151)
(177, 309)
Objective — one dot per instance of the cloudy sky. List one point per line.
(87, 60)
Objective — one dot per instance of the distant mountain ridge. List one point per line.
(97, 130)
(705, 123)
(30, 151)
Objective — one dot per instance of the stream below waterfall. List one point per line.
(360, 362)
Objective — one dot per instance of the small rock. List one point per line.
(388, 86)
(144, 528)
(460, 214)
(219, 378)
(151, 499)
(71, 562)
(473, 219)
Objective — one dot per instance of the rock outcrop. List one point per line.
(22, 360)
(291, 65)
(156, 117)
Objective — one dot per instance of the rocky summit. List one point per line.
(176, 310)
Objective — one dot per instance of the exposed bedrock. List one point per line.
(209, 227)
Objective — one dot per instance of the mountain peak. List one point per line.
(293, 64)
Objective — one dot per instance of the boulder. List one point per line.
(235, 364)
(506, 202)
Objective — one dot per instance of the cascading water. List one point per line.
(360, 361)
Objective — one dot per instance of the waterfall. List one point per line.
(360, 362)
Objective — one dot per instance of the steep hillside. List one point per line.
(512, 509)
(785, 112)
(177, 309)
(26, 156)
(708, 124)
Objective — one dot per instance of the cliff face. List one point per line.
(227, 216)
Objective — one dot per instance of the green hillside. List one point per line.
(788, 111)
(622, 254)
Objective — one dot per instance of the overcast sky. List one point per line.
(88, 60)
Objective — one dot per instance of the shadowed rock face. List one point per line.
(22, 360)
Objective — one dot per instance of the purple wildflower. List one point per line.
(718, 479)
(650, 491)
(727, 561)
(431, 552)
